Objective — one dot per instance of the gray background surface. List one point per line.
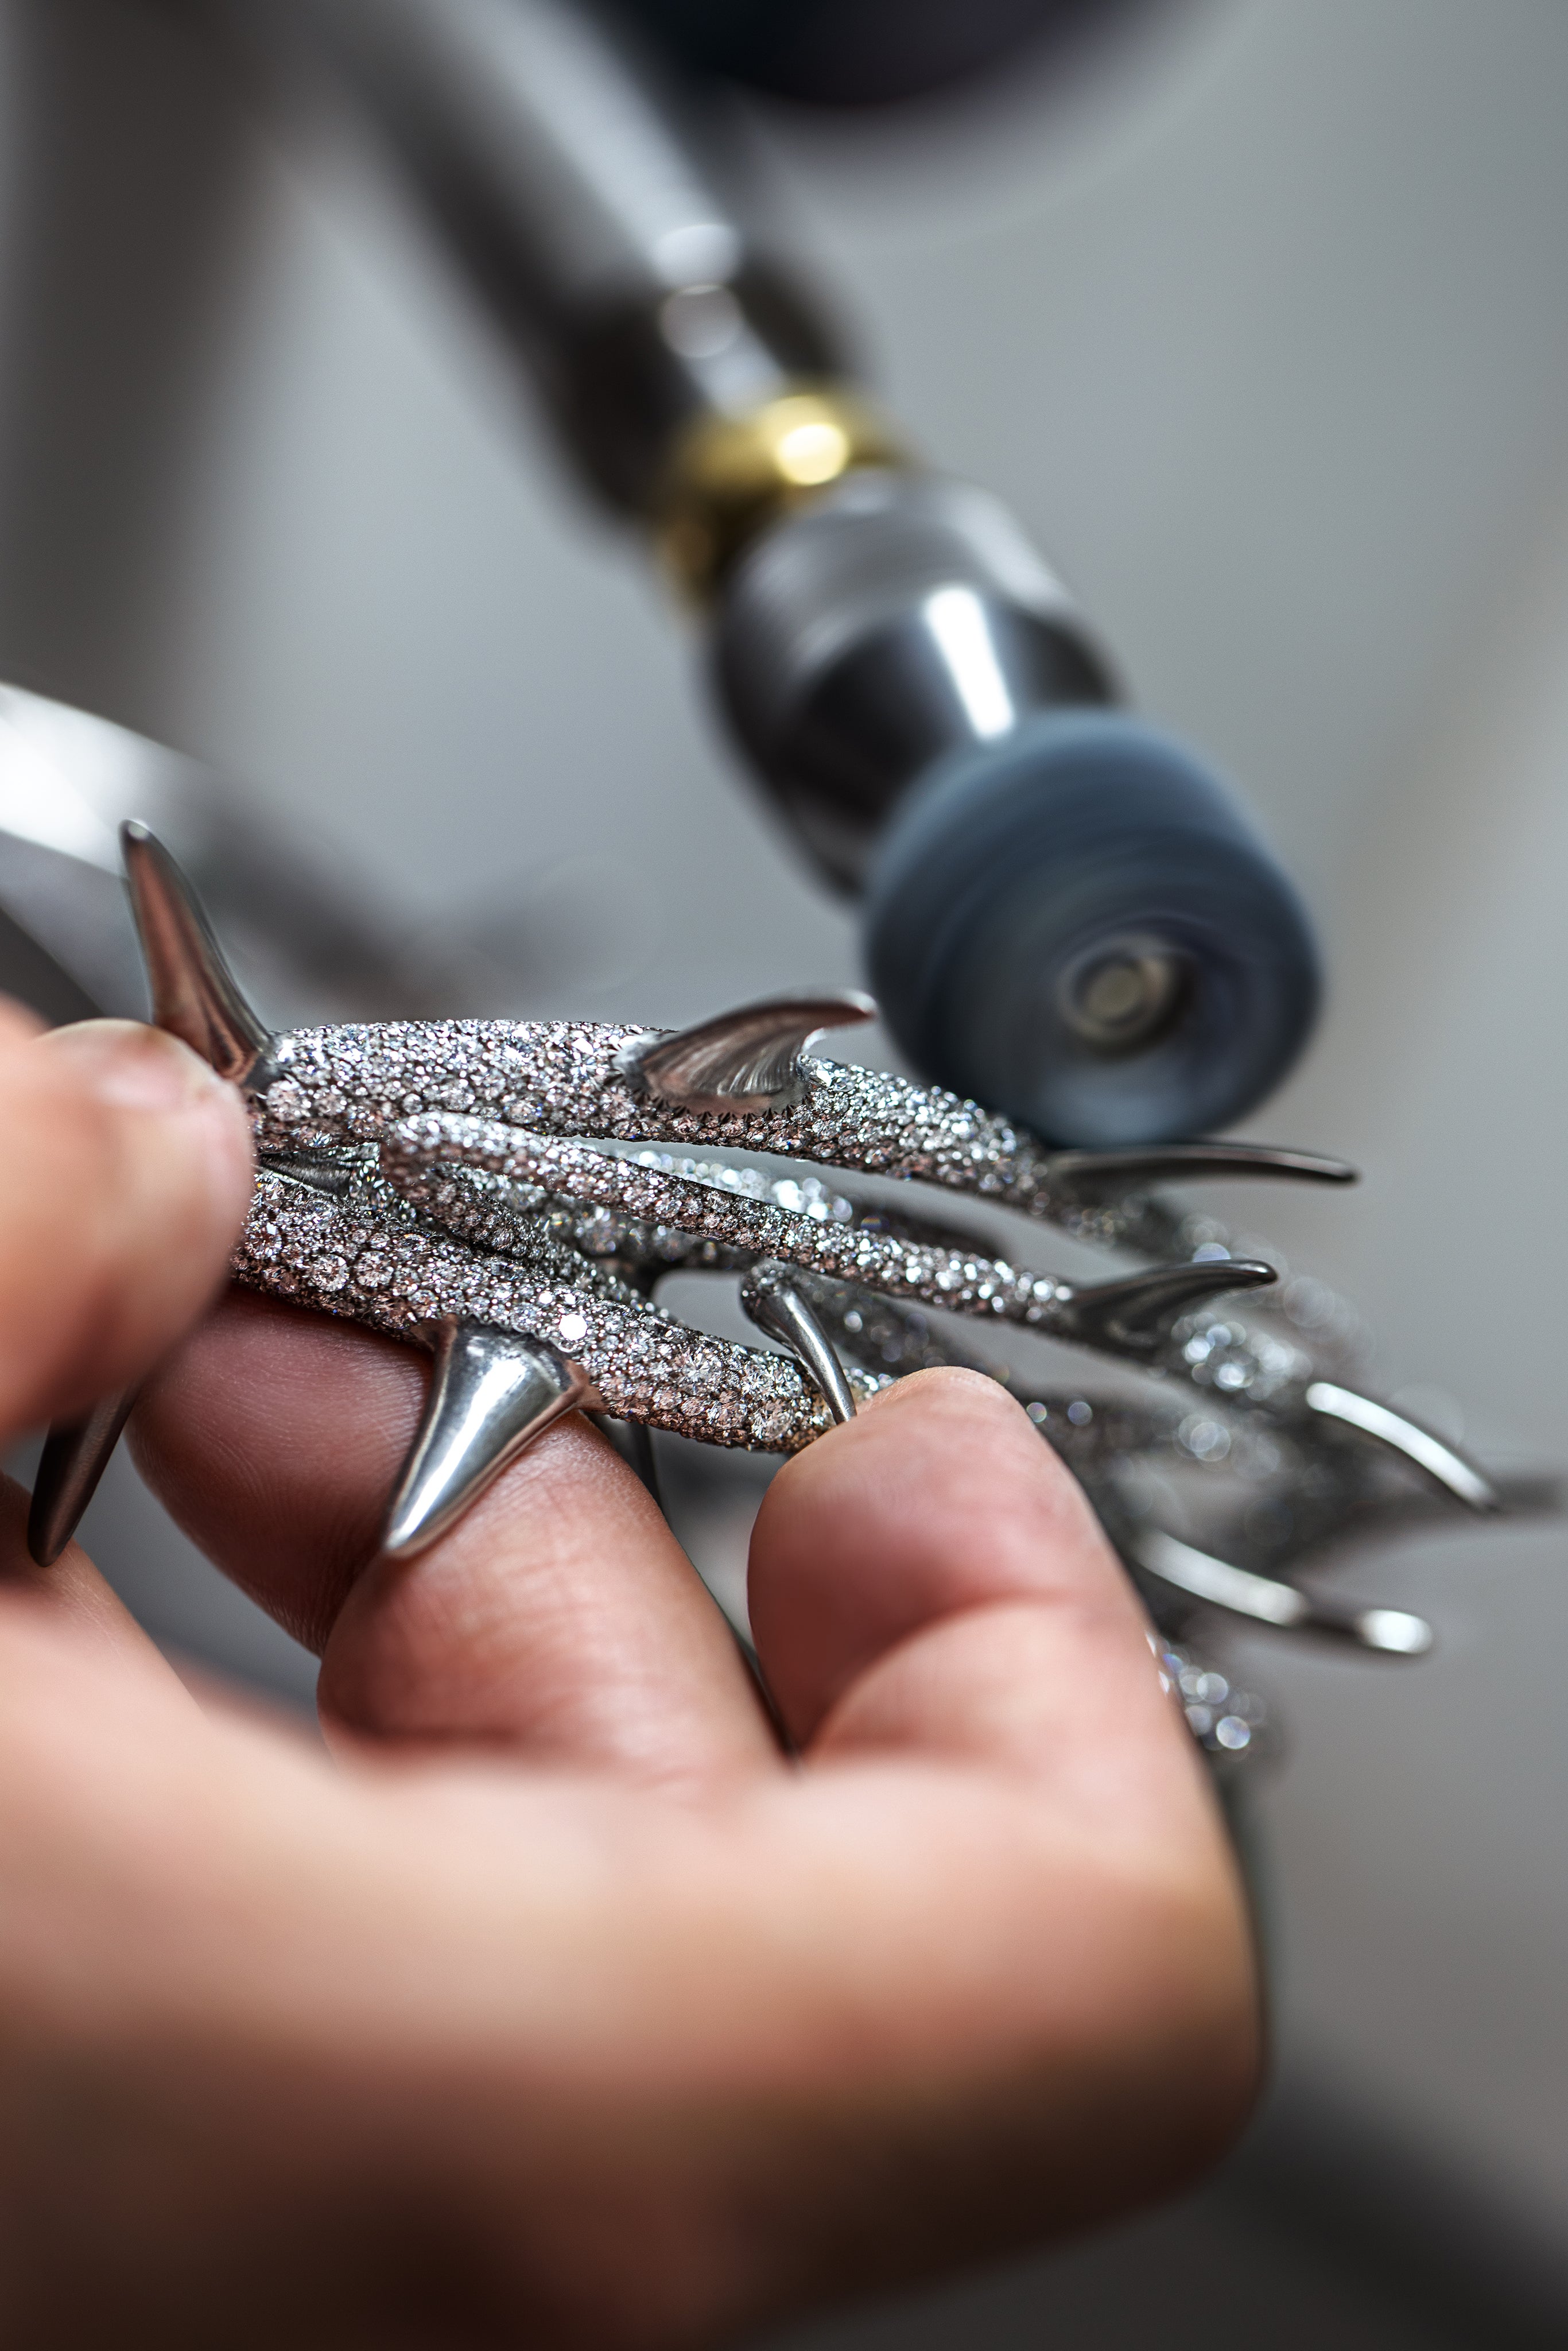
(1264, 331)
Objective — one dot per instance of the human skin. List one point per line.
(550, 2002)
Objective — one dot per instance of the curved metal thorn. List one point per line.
(772, 1301)
(749, 1059)
(1093, 1176)
(491, 1394)
(1440, 1462)
(1388, 1631)
(1134, 1316)
(74, 1456)
(195, 996)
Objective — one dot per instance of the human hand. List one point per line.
(555, 2006)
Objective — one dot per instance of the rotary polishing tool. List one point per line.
(1068, 914)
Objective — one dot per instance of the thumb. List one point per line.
(123, 1182)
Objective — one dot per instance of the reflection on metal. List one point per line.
(958, 621)
(749, 1059)
(1241, 1593)
(774, 1303)
(729, 477)
(194, 992)
(492, 1394)
(1450, 1470)
(75, 1455)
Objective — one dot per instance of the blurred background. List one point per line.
(1258, 316)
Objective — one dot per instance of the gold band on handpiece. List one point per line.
(732, 476)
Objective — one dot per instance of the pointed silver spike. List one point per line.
(1440, 1462)
(1389, 1631)
(491, 1394)
(775, 1305)
(1093, 1176)
(194, 992)
(1133, 1317)
(74, 1456)
(749, 1059)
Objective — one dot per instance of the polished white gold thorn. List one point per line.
(750, 1059)
(75, 1455)
(1091, 1176)
(1440, 1462)
(491, 1394)
(1389, 1631)
(195, 996)
(775, 1305)
(1133, 1317)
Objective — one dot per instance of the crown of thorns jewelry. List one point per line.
(509, 1196)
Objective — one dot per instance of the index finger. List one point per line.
(558, 1618)
(930, 1578)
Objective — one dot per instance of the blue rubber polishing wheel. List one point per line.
(1077, 926)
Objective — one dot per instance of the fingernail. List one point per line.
(134, 1067)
